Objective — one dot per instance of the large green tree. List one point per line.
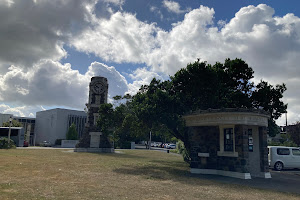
(161, 104)
(119, 123)
(268, 98)
(294, 132)
(202, 86)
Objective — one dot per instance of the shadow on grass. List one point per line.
(170, 163)
(165, 171)
(120, 155)
(157, 169)
(125, 155)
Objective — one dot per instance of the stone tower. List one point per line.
(98, 91)
(93, 140)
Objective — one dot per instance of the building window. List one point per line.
(228, 139)
(250, 140)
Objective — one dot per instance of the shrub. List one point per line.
(58, 141)
(6, 144)
(273, 143)
(125, 145)
(180, 146)
(72, 133)
(285, 143)
(289, 144)
(182, 150)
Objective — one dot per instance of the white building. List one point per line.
(17, 134)
(28, 124)
(4, 118)
(25, 134)
(53, 124)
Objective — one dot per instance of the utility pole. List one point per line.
(150, 141)
(286, 126)
(9, 130)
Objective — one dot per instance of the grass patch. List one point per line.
(131, 174)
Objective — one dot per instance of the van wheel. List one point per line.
(278, 166)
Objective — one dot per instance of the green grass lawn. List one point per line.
(130, 174)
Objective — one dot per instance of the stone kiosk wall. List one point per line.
(229, 142)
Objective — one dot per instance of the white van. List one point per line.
(283, 157)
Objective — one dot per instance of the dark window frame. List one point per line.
(296, 150)
(228, 143)
(282, 151)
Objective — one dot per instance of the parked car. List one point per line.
(157, 144)
(25, 144)
(283, 157)
(166, 145)
(171, 146)
(45, 144)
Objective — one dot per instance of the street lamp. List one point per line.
(9, 130)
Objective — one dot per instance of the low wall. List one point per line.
(132, 145)
(95, 150)
(69, 143)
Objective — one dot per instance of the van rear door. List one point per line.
(284, 155)
(296, 157)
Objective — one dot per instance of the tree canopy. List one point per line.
(14, 123)
(161, 104)
(294, 132)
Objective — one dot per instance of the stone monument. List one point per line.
(93, 140)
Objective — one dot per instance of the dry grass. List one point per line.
(131, 174)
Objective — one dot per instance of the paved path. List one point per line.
(37, 147)
(284, 181)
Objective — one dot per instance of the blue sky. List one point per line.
(142, 9)
(49, 50)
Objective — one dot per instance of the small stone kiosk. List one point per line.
(229, 142)
(93, 140)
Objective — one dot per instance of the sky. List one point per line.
(49, 50)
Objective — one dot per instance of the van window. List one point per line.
(283, 151)
(296, 152)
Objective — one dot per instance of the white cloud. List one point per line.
(142, 76)
(33, 30)
(184, 43)
(31, 44)
(116, 2)
(46, 83)
(156, 11)
(33, 34)
(117, 82)
(122, 38)
(50, 83)
(173, 6)
(267, 43)
(20, 111)
(7, 3)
